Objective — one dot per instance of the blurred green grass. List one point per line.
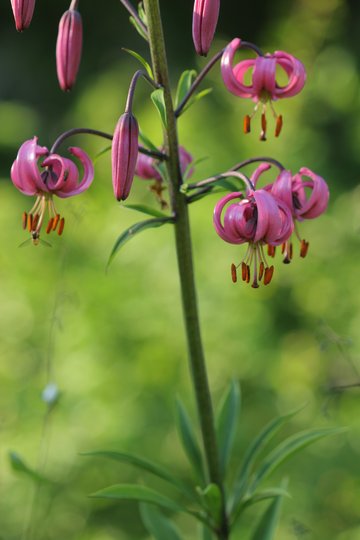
(114, 341)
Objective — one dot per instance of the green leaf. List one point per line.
(196, 98)
(226, 424)
(268, 523)
(212, 499)
(145, 465)
(142, 61)
(146, 210)
(157, 97)
(258, 444)
(288, 448)
(135, 229)
(146, 142)
(18, 465)
(142, 13)
(206, 533)
(101, 153)
(138, 28)
(159, 526)
(184, 85)
(133, 492)
(189, 440)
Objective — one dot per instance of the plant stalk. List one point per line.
(184, 258)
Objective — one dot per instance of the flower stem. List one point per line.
(184, 257)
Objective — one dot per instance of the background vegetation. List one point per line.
(113, 342)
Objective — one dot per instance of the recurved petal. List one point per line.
(295, 70)
(226, 235)
(258, 172)
(264, 75)
(318, 199)
(268, 217)
(62, 174)
(25, 174)
(282, 189)
(233, 77)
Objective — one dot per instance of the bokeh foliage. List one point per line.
(113, 342)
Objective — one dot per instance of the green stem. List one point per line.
(184, 257)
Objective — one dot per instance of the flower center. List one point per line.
(34, 220)
(264, 100)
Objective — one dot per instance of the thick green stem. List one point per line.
(184, 257)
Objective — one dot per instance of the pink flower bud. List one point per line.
(205, 17)
(68, 47)
(23, 11)
(124, 154)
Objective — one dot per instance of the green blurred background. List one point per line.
(113, 342)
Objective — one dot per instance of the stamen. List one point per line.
(35, 221)
(56, 221)
(261, 270)
(263, 127)
(24, 220)
(243, 271)
(247, 273)
(247, 124)
(61, 226)
(49, 225)
(269, 271)
(30, 222)
(283, 247)
(279, 124)
(233, 273)
(304, 246)
(271, 250)
(290, 250)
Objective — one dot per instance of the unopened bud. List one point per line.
(205, 17)
(124, 154)
(23, 11)
(69, 47)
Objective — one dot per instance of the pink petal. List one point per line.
(230, 79)
(205, 17)
(282, 189)
(258, 172)
(124, 153)
(226, 235)
(318, 200)
(295, 71)
(25, 174)
(264, 75)
(23, 12)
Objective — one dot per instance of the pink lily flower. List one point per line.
(60, 177)
(23, 12)
(264, 88)
(124, 154)
(69, 47)
(205, 17)
(257, 219)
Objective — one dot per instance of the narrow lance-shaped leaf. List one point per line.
(142, 61)
(288, 448)
(264, 437)
(157, 97)
(259, 497)
(197, 97)
(134, 230)
(145, 465)
(226, 424)
(184, 85)
(189, 440)
(268, 524)
(147, 142)
(138, 28)
(159, 526)
(18, 465)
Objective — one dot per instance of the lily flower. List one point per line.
(23, 12)
(205, 17)
(258, 218)
(307, 195)
(59, 176)
(264, 87)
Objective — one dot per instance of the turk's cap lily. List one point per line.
(145, 165)
(305, 193)
(69, 47)
(258, 217)
(263, 84)
(124, 154)
(205, 17)
(23, 12)
(60, 176)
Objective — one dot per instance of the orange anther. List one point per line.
(233, 273)
(247, 124)
(35, 221)
(304, 246)
(30, 222)
(269, 271)
(279, 124)
(290, 250)
(56, 221)
(261, 270)
(247, 273)
(49, 225)
(61, 226)
(271, 250)
(243, 271)
(24, 220)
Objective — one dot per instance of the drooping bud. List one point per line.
(205, 17)
(69, 46)
(124, 153)
(23, 11)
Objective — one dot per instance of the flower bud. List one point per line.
(205, 17)
(124, 153)
(23, 11)
(68, 47)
